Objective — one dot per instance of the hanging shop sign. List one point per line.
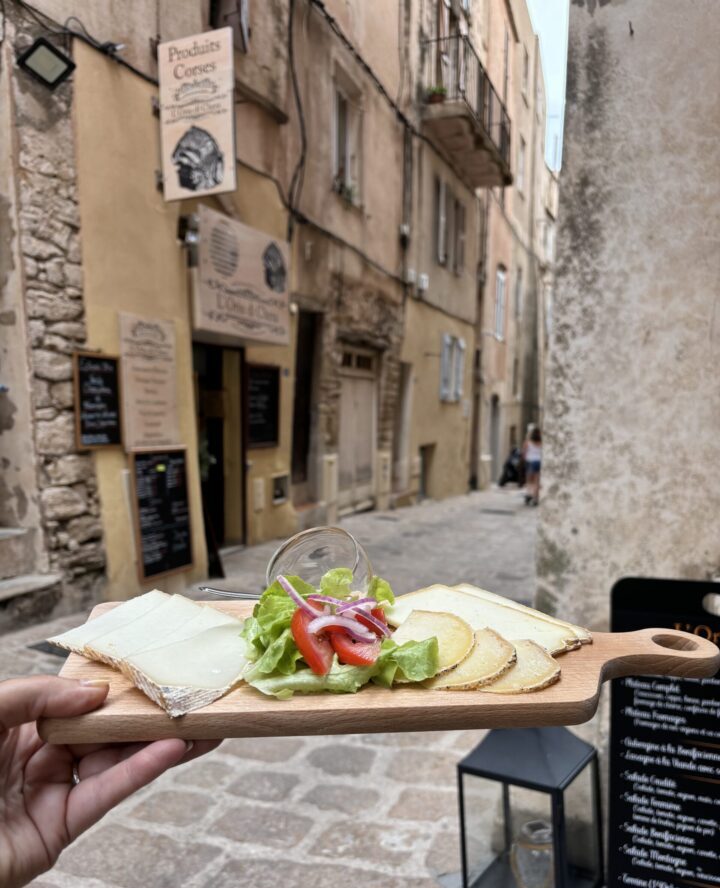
(149, 387)
(197, 115)
(665, 748)
(162, 512)
(96, 379)
(241, 290)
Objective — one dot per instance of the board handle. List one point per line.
(664, 652)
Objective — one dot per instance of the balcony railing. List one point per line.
(454, 73)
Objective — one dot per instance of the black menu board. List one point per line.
(162, 512)
(664, 750)
(263, 405)
(97, 401)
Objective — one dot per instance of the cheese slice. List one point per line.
(534, 670)
(491, 657)
(582, 635)
(75, 639)
(204, 618)
(151, 627)
(190, 674)
(482, 614)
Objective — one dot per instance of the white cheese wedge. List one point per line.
(150, 628)
(190, 674)
(583, 636)
(204, 618)
(534, 669)
(75, 639)
(481, 614)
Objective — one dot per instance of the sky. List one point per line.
(550, 20)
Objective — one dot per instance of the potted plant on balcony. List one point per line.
(436, 94)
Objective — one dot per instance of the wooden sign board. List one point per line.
(665, 749)
(149, 371)
(197, 115)
(263, 405)
(96, 379)
(241, 291)
(162, 512)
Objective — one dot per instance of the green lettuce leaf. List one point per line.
(273, 613)
(280, 657)
(417, 660)
(380, 590)
(339, 680)
(337, 582)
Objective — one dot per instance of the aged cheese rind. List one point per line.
(491, 657)
(482, 614)
(534, 670)
(135, 608)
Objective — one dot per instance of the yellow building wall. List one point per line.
(132, 262)
(444, 424)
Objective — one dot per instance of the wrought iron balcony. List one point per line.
(464, 114)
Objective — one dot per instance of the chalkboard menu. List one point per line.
(664, 750)
(263, 405)
(97, 401)
(162, 512)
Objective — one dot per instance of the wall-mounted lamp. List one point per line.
(46, 63)
(189, 236)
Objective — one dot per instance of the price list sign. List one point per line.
(97, 400)
(665, 749)
(162, 512)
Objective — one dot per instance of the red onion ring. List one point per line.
(296, 596)
(351, 626)
(379, 625)
(325, 599)
(351, 605)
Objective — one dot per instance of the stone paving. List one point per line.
(373, 811)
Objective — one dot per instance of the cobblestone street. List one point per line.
(373, 811)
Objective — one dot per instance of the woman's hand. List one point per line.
(42, 809)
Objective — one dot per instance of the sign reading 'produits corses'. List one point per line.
(162, 512)
(241, 291)
(665, 749)
(197, 115)
(97, 401)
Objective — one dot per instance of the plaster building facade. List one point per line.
(368, 143)
(633, 403)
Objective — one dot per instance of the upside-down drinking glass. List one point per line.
(313, 552)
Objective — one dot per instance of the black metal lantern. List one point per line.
(545, 784)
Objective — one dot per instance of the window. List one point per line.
(347, 139)
(518, 292)
(452, 368)
(516, 374)
(525, 73)
(521, 166)
(500, 302)
(459, 264)
(449, 228)
(440, 222)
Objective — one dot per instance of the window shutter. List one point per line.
(459, 368)
(500, 303)
(441, 222)
(459, 237)
(446, 367)
(449, 228)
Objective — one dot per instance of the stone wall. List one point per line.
(633, 413)
(53, 279)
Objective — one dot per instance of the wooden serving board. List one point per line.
(128, 715)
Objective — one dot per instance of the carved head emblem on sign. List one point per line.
(198, 160)
(275, 273)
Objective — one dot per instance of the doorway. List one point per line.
(358, 430)
(218, 373)
(495, 436)
(303, 469)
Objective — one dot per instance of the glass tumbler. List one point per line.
(313, 552)
(531, 858)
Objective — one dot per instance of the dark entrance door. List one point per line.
(302, 407)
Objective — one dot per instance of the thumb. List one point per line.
(28, 699)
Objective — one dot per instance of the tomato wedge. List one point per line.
(353, 653)
(378, 613)
(316, 650)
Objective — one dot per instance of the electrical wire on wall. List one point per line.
(296, 182)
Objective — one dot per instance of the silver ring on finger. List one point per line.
(75, 774)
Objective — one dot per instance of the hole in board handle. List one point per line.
(711, 603)
(675, 642)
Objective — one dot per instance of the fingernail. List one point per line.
(188, 745)
(94, 683)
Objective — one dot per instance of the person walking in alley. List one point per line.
(532, 454)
